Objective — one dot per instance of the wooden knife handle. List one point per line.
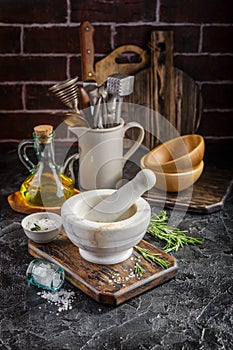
(87, 51)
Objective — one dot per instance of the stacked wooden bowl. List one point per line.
(177, 163)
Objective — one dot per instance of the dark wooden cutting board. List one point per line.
(206, 196)
(107, 284)
(159, 86)
(164, 90)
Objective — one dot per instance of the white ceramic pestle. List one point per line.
(114, 206)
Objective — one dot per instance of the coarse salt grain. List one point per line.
(115, 280)
(62, 298)
(44, 224)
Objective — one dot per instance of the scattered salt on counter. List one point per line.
(116, 279)
(44, 224)
(62, 298)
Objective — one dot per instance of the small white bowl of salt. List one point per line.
(42, 227)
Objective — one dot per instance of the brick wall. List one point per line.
(39, 45)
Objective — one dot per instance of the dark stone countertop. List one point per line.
(191, 311)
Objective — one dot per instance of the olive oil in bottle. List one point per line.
(46, 186)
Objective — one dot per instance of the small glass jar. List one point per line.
(45, 274)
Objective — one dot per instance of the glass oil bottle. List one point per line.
(47, 185)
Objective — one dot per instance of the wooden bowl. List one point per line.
(175, 182)
(176, 155)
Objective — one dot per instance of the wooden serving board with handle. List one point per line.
(160, 87)
(109, 65)
(100, 71)
(107, 284)
(167, 91)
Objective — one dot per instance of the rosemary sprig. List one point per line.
(139, 270)
(174, 237)
(35, 228)
(152, 257)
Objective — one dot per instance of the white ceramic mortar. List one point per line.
(99, 242)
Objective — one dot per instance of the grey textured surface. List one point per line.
(192, 311)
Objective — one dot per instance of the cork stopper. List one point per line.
(43, 130)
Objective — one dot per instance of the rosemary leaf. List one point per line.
(173, 237)
(139, 270)
(152, 257)
(35, 228)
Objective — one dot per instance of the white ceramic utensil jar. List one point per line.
(101, 159)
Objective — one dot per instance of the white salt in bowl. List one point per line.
(101, 242)
(50, 224)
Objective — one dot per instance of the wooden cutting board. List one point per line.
(109, 64)
(99, 72)
(207, 195)
(107, 284)
(159, 86)
(17, 203)
(167, 91)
